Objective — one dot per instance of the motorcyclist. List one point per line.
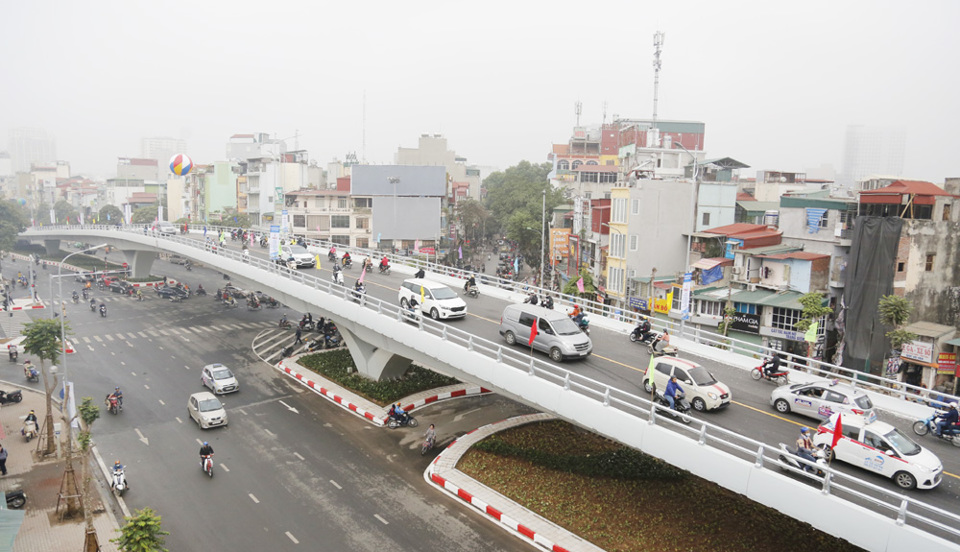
(31, 417)
(644, 328)
(118, 394)
(358, 287)
(398, 413)
(103, 308)
(28, 370)
(805, 448)
(139, 295)
(949, 420)
(772, 365)
(431, 435)
(670, 393)
(93, 304)
(346, 259)
(84, 292)
(384, 263)
(472, 282)
(117, 466)
(577, 315)
(547, 302)
(332, 254)
(76, 297)
(205, 450)
(533, 299)
(420, 274)
(13, 351)
(283, 321)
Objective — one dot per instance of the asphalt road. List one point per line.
(291, 470)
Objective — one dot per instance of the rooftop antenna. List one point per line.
(363, 147)
(604, 112)
(657, 48)
(578, 108)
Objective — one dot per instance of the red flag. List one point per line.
(837, 432)
(533, 332)
(363, 273)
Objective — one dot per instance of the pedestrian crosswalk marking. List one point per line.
(86, 340)
(97, 337)
(109, 337)
(132, 336)
(141, 334)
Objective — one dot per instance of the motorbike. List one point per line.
(284, 324)
(473, 291)
(31, 373)
(29, 430)
(385, 269)
(119, 482)
(347, 263)
(332, 257)
(637, 336)
(929, 425)
(789, 459)
(358, 293)
(16, 499)
(680, 409)
(582, 323)
(394, 423)
(254, 305)
(201, 291)
(272, 303)
(103, 311)
(113, 404)
(307, 325)
(11, 397)
(14, 355)
(230, 303)
(76, 298)
(547, 302)
(206, 464)
(532, 299)
(93, 307)
(84, 294)
(780, 377)
(427, 445)
(658, 347)
(338, 277)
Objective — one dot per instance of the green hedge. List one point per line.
(338, 367)
(622, 463)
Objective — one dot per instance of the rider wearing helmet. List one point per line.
(119, 396)
(949, 420)
(398, 413)
(805, 448)
(206, 450)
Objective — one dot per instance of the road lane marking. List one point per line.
(97, 337)
(297, 454)
(109, 337)
(185, 338)
(253, 498)
(153, 333)
(122, 363)
(177, 418)
(383, 521)
(225, 468)
(290, 408)
(91, 348)
(129, 344)
(134, 374)
(143, 439)
(141, 334)
(768, 413)
(214, 328)
(270, 433)
(145, 386)
(459, 417)
(113, 353)
(86, 339)
(162, 403)
(185, 366)
(131, 335)
(335, 484)
(291, 537)
(164, 332)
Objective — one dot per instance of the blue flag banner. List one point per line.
(814, 216)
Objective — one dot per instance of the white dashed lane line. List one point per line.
(297, 454)
(291, 537)
(253, 498)
(335, 484)
(383, 521)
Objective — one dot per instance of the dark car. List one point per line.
(171, 292)
(120, 286)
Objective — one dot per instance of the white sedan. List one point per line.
(219, 379)
(207, 410)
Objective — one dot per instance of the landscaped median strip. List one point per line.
(442, 473)
(367, 409)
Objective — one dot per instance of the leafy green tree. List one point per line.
(141, 533)
(895, 311)
(13, 220)
(473, 217)
(145, 215)
(813, 310)
(113, 212)
(89, 412)
(42, 339)
(66, 213)
(589, 290)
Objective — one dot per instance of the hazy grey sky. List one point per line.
(775, 83)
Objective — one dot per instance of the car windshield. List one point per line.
(208, 405)
(701, 376)
(565, 326)
(222, 374)
(863, 402)
(902, 443)
(296, 250)
(443, 293)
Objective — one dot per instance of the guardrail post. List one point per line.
(566, 382)
(531, 372)
(653, 414)
(759, 462)
(902, 513)
(703, 435)
(500, 354)
(443, 335)
(606, 397)
(470, 343)
(826, 483)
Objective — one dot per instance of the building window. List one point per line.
(619, 210)
(363, 223)
(340, 240)
(576, 164)
(339, 221)
(824, 219)
(634, 242)
(711, 308)
(608, 177)
(928, 266)
(363, 243)
(342, 203)
(563, 165)
(362, 202)
(616, 245)
(706, 219)
(746, 308)
(785, 319)
(946, 211)
(299, 221)
(635, 207)
(900, 267)
(676, 299)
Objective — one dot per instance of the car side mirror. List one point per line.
(688, 382)
(889, 452)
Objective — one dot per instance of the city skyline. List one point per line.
(777, 87)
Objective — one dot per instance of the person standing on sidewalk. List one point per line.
(299, 333)
(3, 460)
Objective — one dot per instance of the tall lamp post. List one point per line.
(543, 235)
(621, 287)
(693, 210)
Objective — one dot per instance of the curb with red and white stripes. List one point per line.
(378, 418)
(31, 307)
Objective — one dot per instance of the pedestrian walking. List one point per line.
(3, 460)
(299, 333)
(204, 230)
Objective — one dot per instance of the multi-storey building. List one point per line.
(872, 150)
(463, 180)
(161, 150)
(28, 146)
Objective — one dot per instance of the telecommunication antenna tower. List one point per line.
(578, 108)
(657, 48)
(363, 146)
(604, 113)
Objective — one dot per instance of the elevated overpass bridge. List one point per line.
(383, 343)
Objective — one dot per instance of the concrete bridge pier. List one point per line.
(52, 246)
(373, 362)
(139, 261)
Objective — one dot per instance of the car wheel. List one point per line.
(905, 480)
(920, 427)
(435, 314)
(404, 303)
(510, 338)
(556, 355)
(647, 387)
(782, 406)
(698, 404)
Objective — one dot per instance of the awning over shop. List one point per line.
(707, 264)
(955, 342)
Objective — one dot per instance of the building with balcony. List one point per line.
(331, 215)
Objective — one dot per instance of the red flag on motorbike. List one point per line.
(837, 432)
(533, 332)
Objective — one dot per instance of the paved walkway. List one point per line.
(41, 530)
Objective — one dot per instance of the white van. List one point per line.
(165, 227)
(557, 335)
(433, 298)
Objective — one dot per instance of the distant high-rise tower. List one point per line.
(31, 145)
(871, 150)
(162, 149)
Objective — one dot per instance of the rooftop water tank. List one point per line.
(771, 218)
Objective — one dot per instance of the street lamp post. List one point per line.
(693, 211)
(543, 235)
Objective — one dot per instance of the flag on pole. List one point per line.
(460, 251)
(811, 335)
(533, 332)
(317, 259)
(837, 432)
(580, 284)
(422, 300)
(364, 273)
(648, 376)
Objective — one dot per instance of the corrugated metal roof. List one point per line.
(751, 206)
(930, 329)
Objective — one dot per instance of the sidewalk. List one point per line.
(41, 530)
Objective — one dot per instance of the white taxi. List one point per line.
(881, 448)
(822, 399)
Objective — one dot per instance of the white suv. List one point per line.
(433, 298)
(702, 389)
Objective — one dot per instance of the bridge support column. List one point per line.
(372, 361)
(52, 246)
(139, 262)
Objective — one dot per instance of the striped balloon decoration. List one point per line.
(180, 164)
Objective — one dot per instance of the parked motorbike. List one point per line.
(119, 483)
(394, 423)
(16, 499)
(11, 397)
(929, 425)
(680, 409)
(789, 459)
(29, 430)
(780, 377)
(207, 464)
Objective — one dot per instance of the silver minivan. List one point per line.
(557, 335)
